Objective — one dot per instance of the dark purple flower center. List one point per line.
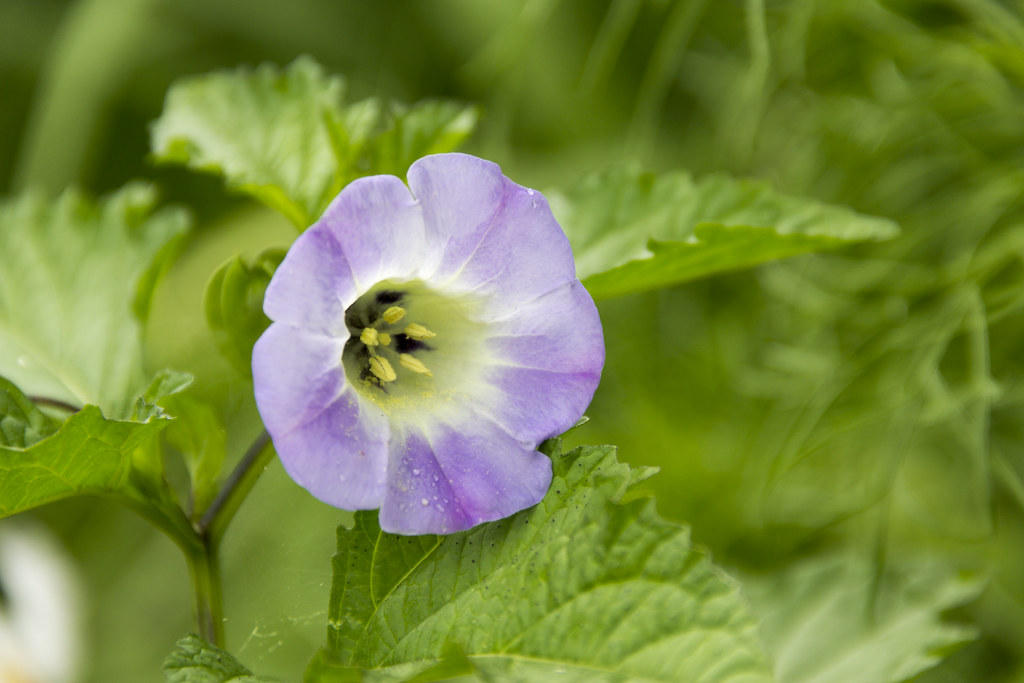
(384, 342)
(410, 343)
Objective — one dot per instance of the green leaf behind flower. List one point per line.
(262, 129)
(76, 274)
(196, 661)
(233, 304)
(634, 231)
(583, 586)
(428, 127)
(286, 138)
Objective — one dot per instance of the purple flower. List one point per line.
(425, 340)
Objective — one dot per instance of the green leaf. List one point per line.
(429, 127)
(148, 461)
(165, 383)
(199, 435)
(285, 137)
(196, 661)
(582, 585)
(262, 129)
(836, 619)
(452, 665)
(67, 327)
(42, 461)
(88, 455)
(634, 231)
(22, 424)
(351, 131)
(233, 304)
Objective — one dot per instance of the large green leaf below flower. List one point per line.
(582, 586)
(286, 138)
(77, 277)
(634, 231)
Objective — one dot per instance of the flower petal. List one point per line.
(560, 332)
(313, 285)
(296, 374)
(500, 239)
(443, 479)
(330, 442)
(460, 196)
(341, 455)
(380, 229)
(533, 405)
(544, 364)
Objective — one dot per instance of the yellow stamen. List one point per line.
(417, 331)
(382, 370)
(369, 336)
(415, 364)
(393, 314)
(383, 338)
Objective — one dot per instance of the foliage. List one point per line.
(837, 618)
(633, 232)
(44, 460)
(22, 423)
(196, 661)
(581, 585)
(76, 275)
(233, 304)
(841, 429)
(286, 139)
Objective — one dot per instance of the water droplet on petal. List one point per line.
(424, 502)
(529, 192)
(416, 472)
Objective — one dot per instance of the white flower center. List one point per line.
(411, 344)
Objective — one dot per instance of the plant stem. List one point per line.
(223, 508)
(201, 541)
(54, 403)
(204, 569)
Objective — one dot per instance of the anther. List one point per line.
(383, 338)
(415, 364)
(417, 331)
(393, 314)
(369, 336)
(382, 370)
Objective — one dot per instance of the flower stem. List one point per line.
(204, 569)
(223, 508)
(203, 557)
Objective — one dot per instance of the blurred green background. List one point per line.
(869, 401)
